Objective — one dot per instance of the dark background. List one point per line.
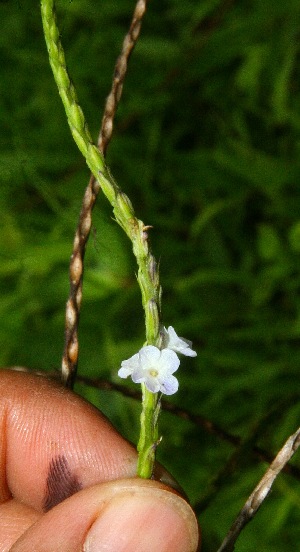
(207, 146)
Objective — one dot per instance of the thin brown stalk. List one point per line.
(119, 76)
(71, 347)
(260, 492)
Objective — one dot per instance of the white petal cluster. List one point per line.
(177, 344)
(155, 367)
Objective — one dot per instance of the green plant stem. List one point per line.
(148, 276)
(148, 440)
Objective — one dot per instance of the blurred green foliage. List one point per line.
(207, 146)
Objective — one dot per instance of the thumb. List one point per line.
(120, 516)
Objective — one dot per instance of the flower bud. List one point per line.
(124, 205)
(152, 321)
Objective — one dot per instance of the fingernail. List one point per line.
(143, 521)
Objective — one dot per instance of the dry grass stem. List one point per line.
(260, 492)
(114, 96)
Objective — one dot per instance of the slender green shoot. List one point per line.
(148, 277)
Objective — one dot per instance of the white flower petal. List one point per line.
(132, 361)
(129, 366)
(169, 362)
(152, 385)
(124, 372)
(177, 344)
(169, 386)
(139, 375)
(149, 355)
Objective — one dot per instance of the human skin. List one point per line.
(67, 479)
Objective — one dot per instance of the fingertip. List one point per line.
(144, 516)
(119, 516)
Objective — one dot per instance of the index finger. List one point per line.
(53, 443)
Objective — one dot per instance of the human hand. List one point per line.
(67, 479)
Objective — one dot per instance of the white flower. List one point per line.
(177, 344)
(154, 367)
